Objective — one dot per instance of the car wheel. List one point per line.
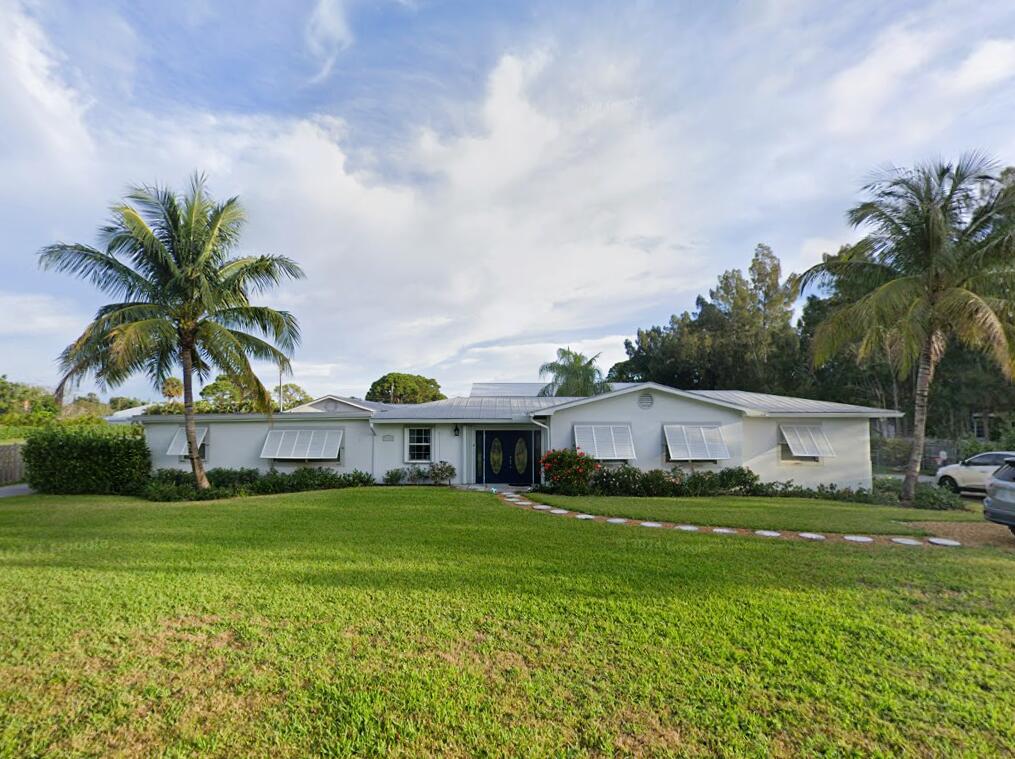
(1012, 528)
(948, 482)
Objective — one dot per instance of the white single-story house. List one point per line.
(498, 433)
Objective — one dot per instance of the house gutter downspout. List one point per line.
(547, 428)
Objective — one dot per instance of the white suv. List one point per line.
(972, 473)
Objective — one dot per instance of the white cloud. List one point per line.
(859, 94)
(327, 35)
(37, 315)
(989, 63)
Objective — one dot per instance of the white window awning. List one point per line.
(695, 442)
(302, 444)
(806, 440)
(179, 445)
(610, 442)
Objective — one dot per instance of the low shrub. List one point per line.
(179, 485)
(394, 476)
(568, 472)
(415, 475)
(571, 473)
(619, 480)
(87, 458)
(442, 472)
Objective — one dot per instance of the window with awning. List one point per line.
(608, 442)
(178, 446)
(695, 442)
(806, 441)
(302, 445)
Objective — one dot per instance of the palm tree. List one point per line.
(573, 375)
(180, 299)
(172, 388)
(936, 265)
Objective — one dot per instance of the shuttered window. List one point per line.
(695, 442)
(609, 442)
(302, 445)
(178, 447)
(806, 441)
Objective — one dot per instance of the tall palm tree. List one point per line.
(573, 374)
(181, 301)
(937, 264)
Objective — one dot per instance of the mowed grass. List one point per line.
(413, 622)
(767, 513)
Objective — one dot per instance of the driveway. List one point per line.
(6, 491)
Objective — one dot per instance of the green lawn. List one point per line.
(767, 513)
(414, 622)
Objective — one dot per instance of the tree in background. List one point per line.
(20, 398)
(225, 392)
(935, 266)
(172, 388)
(180, 300)
(396, 387)
(121, 402)
(293, 395)
(573, 374)
(741, 337)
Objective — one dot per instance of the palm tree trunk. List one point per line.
(193, 451)
(924, 376)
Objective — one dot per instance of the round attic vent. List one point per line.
(645, 400)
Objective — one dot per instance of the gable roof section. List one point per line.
(355, 403)
(749, 404)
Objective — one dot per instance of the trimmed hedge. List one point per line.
(572, 473)
(179, 485)
(80, 459)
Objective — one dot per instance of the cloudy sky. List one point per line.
(469, 185)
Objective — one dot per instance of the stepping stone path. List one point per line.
(907, 542)
(816, 536)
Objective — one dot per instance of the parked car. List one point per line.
(999, 505)
(972, 473)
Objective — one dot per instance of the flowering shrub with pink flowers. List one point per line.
(567, 471)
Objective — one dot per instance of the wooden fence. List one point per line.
(12, 467)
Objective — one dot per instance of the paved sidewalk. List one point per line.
(7, 491)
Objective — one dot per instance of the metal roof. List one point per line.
(782, 404)
(502, 408)
(520, 389)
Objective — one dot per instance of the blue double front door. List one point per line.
(507, 457)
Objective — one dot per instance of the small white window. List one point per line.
(302, 445)
(695, 442)
(178, 446)
(803, 442)
(418, 444)
(608, 442)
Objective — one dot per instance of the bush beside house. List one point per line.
(105, 460)
(569, 472)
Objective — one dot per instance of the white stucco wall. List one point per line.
(850, 439)
(752, 441)
(237, 442)
(647, 425)
(390, 446)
